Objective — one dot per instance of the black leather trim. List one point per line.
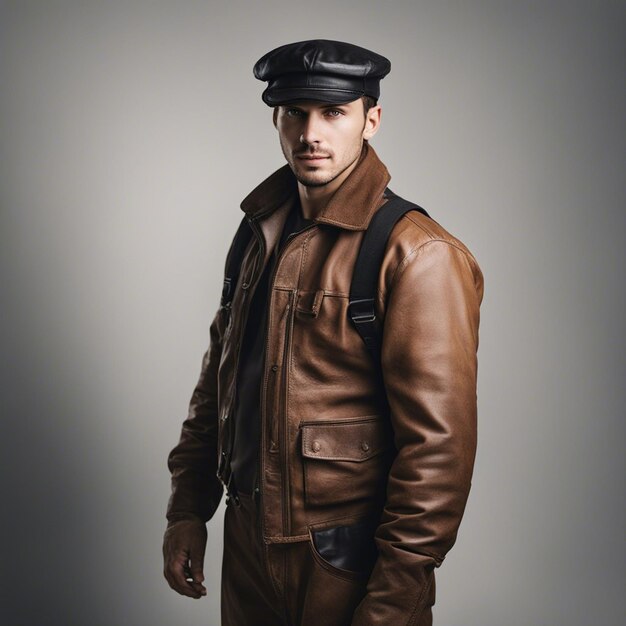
(348, 547)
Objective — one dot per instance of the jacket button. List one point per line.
(316, 446)
(274, 368)
(365, 446)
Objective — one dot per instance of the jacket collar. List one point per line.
(351, 206)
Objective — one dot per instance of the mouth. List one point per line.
(312, 157)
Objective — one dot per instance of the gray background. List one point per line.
(129, 133)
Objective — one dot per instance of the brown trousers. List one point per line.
(280, 584)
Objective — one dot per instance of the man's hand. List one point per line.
(184, 544)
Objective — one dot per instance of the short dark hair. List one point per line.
(368, 103)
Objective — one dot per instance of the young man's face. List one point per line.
(322, 141)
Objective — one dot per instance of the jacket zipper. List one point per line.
(282, 424)
(283, 416)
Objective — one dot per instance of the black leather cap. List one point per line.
(320, 69)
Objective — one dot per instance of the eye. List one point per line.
(334, 112)
(293, 112)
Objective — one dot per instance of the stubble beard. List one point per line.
(306, 181)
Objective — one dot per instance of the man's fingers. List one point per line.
(183, 550)
(177, 573)
(196, 559)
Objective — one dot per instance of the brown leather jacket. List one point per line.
(332, 451)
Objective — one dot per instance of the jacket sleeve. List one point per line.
(429, 360)
(196, 490)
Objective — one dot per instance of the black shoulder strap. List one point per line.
(234, 259)
(366, 270)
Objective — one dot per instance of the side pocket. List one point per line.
(345, 460)
(350, 549)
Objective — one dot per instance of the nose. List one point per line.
(311, 131)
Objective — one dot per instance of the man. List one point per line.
(346, 483)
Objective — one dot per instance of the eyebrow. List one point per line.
(325, 107)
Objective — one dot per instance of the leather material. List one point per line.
(281, 584)
(247, 418)
(320, 384)
(349, 547)
(320, 69)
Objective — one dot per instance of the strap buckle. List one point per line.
(366, 314)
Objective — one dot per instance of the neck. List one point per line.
(314, 199)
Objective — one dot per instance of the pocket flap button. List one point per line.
(365, 446)
(316, 446)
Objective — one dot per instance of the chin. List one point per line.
(309, 181)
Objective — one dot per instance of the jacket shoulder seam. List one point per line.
(414, 250)
(417, 248)
(409, 216)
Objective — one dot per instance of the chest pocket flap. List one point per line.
(346, 440)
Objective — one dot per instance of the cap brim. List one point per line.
(274, 97)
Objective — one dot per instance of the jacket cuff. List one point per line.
(174, 518)
(405, 597)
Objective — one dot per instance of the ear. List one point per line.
(275, 115)
(372, 122)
